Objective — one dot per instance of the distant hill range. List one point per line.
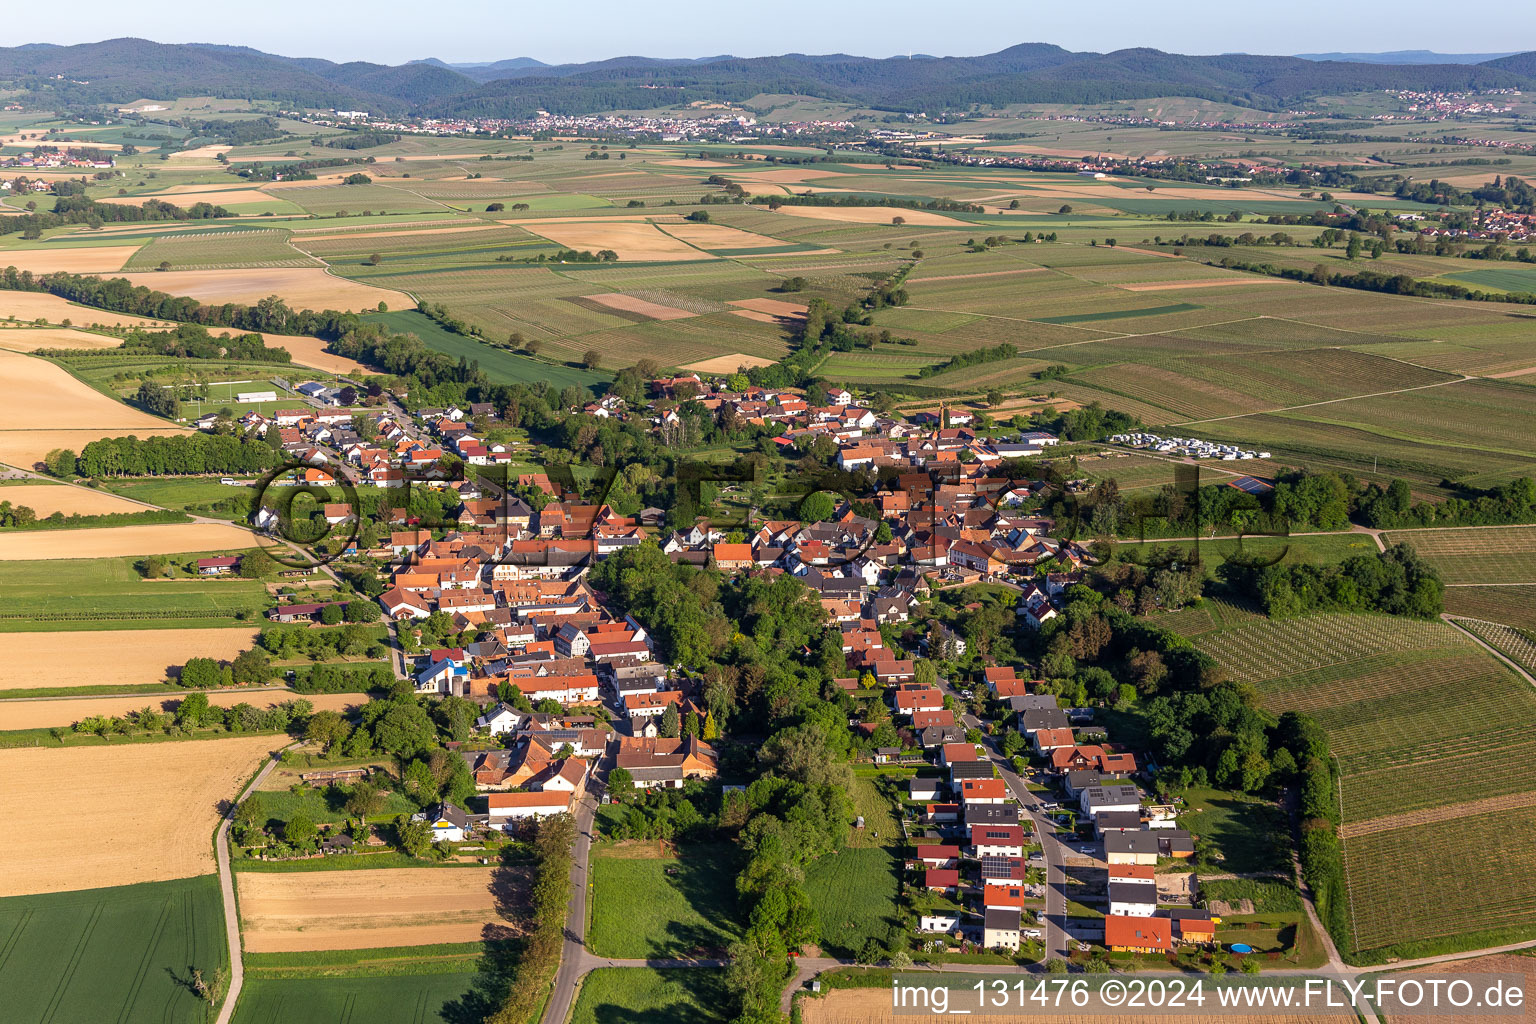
(1408, 57)
(122, 70)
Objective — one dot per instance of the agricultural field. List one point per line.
(390, 999)
(116, 657)
(647, 904)
(1475, 556)
(165, 832)
(92, 593)
(500, 364)
(651, 996)
(1515, 606)
(219, 248)
(42, 408)
(1515, 644)
(45, 499)
(124, 953)
(368, 907)
(106, 542)
(1412, 710)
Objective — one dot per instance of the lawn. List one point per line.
(97, 593)
(1250, 834)
(854, 892)
(121, 954)
(501, 365)
(647, 905)
(875, 807)
(191, 494)
(639, 995)
(406, 999)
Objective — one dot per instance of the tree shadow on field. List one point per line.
(503, 948)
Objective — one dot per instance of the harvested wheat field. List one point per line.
(300, 287)
(307, 351)
(150, 809)
(1215, 282)
(873, 1006)
(752, 314)
(873, 215)
(30, 339)
(30, 306)
(160, 539)
(200, 153)
(786, 174)
(773, 307)
(636, 242)
(80, 259)
(46, 499)
(184, 199)
(37, 395)
(42, 408)
(49, 712)
(364, 908)
(1503, 963)
(632, 304)
(728, 364)
(718, 236)
(116, 656)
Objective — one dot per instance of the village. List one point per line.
(574, 697)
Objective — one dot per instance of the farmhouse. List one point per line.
(220, 566)
(508, 809)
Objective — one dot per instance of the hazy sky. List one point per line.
(394, 31)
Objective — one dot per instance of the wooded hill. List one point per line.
(122, 70)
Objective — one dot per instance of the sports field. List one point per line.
(122, 954)
(1413, 711)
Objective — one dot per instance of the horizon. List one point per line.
(388, 32)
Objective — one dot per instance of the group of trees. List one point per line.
(271, 315)
(285, 643)
(1396, 581)
(975, 357)
(193, 341)
(175, 455)
(194, 712)
(78, 209)
(1393, 507)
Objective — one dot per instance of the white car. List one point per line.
(1032, 933)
